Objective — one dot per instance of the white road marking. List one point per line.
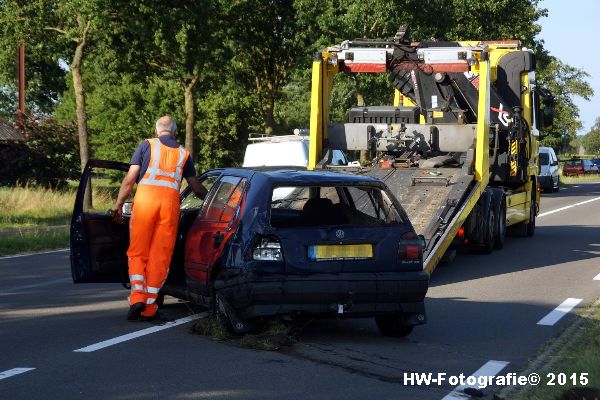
(567, 207)
(143, 332)
(36, 285)
(597, 277)
(490, 368)
(555, 315)
(33, 254)
(13, 372)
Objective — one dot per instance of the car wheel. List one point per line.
(392, 325)
(557, 188)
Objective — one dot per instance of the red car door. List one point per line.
(212, 229)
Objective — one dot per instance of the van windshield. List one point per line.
(332, 205)
(544, 159)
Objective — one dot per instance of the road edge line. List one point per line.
(136, 334)
(14, 371)
(567, 207)
(33, 254)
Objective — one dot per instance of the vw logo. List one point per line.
(339, 234)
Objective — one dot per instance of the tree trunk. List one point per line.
(81, 115)
(80, 107)
(269, 119)
(188, 95)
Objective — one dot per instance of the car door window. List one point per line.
(338, 158)
(191, 201)
(221, 207)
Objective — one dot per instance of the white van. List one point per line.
(549, 177)
(283, 151)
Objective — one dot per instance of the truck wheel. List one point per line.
(489, 226)
(392, 325)
(499, 206)
(531, 225)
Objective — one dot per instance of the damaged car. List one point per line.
(265, 243)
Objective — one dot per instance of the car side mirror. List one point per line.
(126, 209)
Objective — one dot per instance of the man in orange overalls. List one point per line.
(158, 166)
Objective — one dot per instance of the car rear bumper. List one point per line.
(344, 295)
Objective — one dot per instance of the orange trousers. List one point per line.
(152, 232)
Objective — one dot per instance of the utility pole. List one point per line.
(21, 80)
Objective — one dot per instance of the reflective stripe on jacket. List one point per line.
(165, 172)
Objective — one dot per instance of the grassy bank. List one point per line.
(32, 207)
(582, 355)
(22, 207)
(569, 180)
(32, 242)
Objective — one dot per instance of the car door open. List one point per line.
(99, 244)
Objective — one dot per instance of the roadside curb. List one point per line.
(546, 360)
(33, 254)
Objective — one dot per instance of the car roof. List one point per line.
(302, 177)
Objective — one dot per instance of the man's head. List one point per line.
(166, 126)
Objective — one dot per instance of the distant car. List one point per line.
(596, 162)
(334, 245)
(549, 177)
(579, 167)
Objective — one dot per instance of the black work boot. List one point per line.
(135, 311)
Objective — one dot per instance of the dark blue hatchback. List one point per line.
(282, 242)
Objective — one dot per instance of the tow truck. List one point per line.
(459, 146)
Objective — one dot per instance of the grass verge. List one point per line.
(569, 180)
(273, 335)
(581, 355)
(32, 242)
(30, 206)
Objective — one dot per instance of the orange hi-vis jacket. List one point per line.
(153, 224)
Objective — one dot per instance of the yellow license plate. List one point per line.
(340, 252)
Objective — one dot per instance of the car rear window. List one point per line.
(544, 158)
(332, 205)
(575, 163)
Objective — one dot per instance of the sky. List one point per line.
(570, 33)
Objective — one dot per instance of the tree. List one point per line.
(64, 28)
(265, 44)
(591, 141)
(171, 40)
(45, 77)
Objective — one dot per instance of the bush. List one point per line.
(49, 157)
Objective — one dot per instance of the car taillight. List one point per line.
(267, 249)
(409, 247)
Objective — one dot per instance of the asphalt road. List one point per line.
(481, 309)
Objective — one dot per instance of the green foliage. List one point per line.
(47, 158)
(243, 65)
(591, 141)
(228, 116)
(565, 82)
